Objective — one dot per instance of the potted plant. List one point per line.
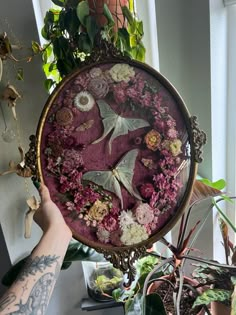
(141, 295)
(176, 286)
(221, 279)
(73, 30)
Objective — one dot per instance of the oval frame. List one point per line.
(124, 257)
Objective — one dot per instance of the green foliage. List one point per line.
(154, 305)
(219, 184)
(146, 264)
(103, 283)
(211, 295)
(71, 29)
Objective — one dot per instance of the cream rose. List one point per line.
(98, 211)
(121, 72)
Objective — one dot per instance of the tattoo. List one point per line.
(39, 296)
(36, 264)
(7, 300)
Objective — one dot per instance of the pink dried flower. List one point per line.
(119, 94)
(146, 99)
(98, 87)
(110, 223)
(144, 213)
(83, 80)
(172, 133)
(146, 190)
(71, 160)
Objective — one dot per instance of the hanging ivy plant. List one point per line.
(71, 29)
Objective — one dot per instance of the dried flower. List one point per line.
(71, 160)
(122, 72)
(95, 72)
(98, 211)
(172, 133)
(119, 92)
(84, 101)
(144, 213)
(149, 163)
(126, 218)
(98, 87)
(146, 190)
(133, 234)
(153, 140)
(110, 223)
(173, 146)
(64, 116)
(102, 234)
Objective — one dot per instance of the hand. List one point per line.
(48, 215)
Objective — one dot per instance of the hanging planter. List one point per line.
(115, 7)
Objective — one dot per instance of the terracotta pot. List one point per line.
(114, 6)
(218, 308)
(156, 284)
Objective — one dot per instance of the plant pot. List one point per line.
(155, 287)
(96, 7)
(218, 308)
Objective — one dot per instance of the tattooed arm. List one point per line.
(30, 293)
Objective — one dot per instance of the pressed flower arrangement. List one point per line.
(115, 152)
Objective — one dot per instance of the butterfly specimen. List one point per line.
(121, 125)
(123, 173)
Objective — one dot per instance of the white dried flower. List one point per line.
(126, 218)
(133, 234)
(84, 101)
(103, 235)
(121, 72)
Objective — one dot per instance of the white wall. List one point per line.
(184, 57)
(17, 19)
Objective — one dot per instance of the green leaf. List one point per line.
(138, 53)
(233, 300)
(20, 74)
(127, 14)
(219, 184)
(116, 294)
(91, 28)
(83, 11)
(108, 15)
(139, 28)
(70, 22)
(211, 295)
(60, 3)
(35, 47)
(84, 43)
(77, 251)
(48, 83)
(154, 305)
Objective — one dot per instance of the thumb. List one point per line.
(44, 193)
